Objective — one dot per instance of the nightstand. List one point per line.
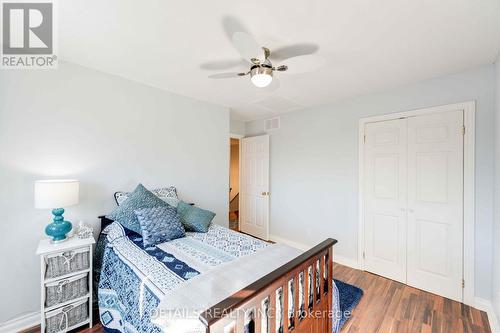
(66, 284)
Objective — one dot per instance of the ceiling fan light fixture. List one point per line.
(261, 76)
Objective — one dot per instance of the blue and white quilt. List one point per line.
(133, 279)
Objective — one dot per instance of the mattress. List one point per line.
(133, 279)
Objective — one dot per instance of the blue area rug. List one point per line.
(349, 297)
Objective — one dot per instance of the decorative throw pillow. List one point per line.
(140, 198)
(194, 218)
(174, 202)
(120, 197)
(166, 192)
(162, 193)
(159, 224)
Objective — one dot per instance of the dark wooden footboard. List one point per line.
(296, 297)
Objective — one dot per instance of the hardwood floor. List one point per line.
(95, 329)
(391, 307)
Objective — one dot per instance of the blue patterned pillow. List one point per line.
(159, 224)
(194, 218)
(140, 198)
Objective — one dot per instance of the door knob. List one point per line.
(265, 194)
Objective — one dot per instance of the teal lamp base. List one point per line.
(59, 228)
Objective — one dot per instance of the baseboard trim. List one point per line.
(336, 258)
(486, 306)
(346, 261)
(20, 323)
(285, 241)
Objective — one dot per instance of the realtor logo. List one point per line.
(28, 35)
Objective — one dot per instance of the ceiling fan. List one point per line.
(298, 57)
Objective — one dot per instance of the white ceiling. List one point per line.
(367, 45)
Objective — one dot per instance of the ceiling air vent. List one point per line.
(272, 124)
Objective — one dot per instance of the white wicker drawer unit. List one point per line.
(66, 284)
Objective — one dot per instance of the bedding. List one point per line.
(208, 289)
(167, 194)
(194, 218)
(159, 225)
(134, 279)
(140, 198)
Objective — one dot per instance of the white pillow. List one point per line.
(167, 194)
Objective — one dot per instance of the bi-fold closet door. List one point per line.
(413, 201)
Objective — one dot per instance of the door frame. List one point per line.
(268, 226)
(469, 109)
(239, 137)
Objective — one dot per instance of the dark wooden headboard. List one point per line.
(104, 221)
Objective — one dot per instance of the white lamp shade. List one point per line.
(56, 193)
(261, 76)
(261, 80)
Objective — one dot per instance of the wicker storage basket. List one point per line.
(61, 291)
(66, 262)
(60, 319)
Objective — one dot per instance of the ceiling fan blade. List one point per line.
(304, 64)
(222, 64)
(231, 25)
(294, 51)
(224, 76)
(246, 46)
(241, 38)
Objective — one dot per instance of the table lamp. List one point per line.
(56, 194)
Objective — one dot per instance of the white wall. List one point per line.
(314, 163)
(237, 127)
(110, 134)
(496, 234)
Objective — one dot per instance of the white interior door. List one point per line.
(435, 203)
(254, 191)
(385, 194)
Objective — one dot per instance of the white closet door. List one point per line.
(386, 198)
(435, 203)
(254, 191)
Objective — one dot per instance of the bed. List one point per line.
(289, 291)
